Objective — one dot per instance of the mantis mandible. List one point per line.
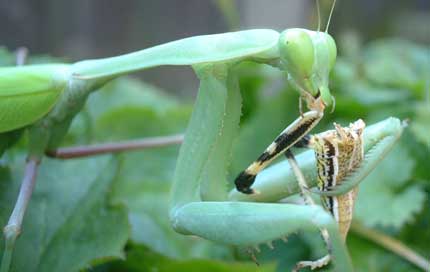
(53, 94)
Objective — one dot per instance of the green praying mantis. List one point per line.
(44, 99)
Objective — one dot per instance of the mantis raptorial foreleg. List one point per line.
(280, 180)
(277, 181)
(196, 211)
(233, 223)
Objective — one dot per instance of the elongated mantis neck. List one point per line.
(259, 44)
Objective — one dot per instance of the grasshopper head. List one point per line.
(308, 56)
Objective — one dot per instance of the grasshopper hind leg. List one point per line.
(244, 181)
(288, 138)
(305, 194)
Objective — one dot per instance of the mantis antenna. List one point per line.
(319, 15)
(329, 17)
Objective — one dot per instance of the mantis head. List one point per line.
(308, 56)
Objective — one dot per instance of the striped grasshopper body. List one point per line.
(339, 152)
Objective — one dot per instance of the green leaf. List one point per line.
(6, 58)
(70, 222)
(128, 92)
(384, 197)
(140, 259)
(417, 232)
(397, 63)
(8, 139)
(368, 94)
(129, 109)
(420, 125)
(367, 257)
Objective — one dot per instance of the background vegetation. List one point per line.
(109, 213)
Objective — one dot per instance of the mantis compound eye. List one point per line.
(297, 55)
(331, 48)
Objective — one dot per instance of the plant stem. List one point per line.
(13, 227)
(391, 244)
(97, 149)
(21, 55)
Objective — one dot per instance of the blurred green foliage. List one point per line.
(109, 213)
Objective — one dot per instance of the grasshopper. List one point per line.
(338, 153)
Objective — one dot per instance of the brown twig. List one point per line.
(13, 227)
(392, 245)
(98, 149)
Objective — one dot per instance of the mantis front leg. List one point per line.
(365, 148)
(202, 165)
(278, 181)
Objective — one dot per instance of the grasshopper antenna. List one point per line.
(329, 17)
(319, 15)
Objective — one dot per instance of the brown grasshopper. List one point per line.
(338, 153)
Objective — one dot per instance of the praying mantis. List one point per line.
(53, 94)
